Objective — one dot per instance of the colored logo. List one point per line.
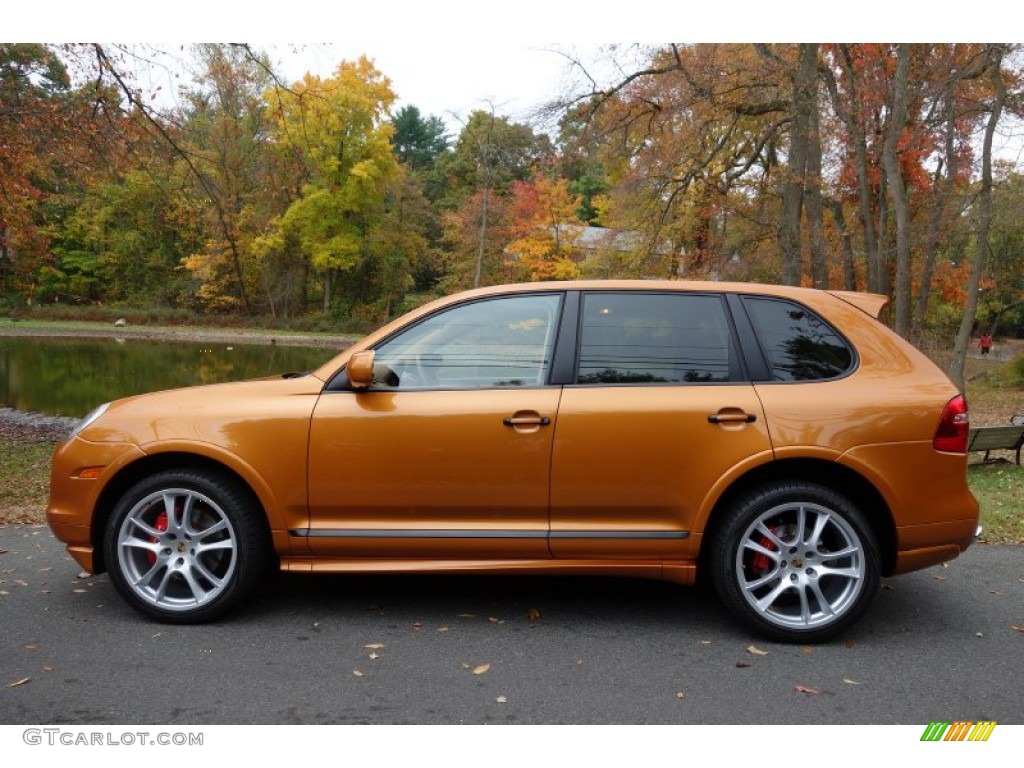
(958, 731)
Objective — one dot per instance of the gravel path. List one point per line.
(26, 427)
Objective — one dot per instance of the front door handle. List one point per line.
(732, 418)
(526, 421)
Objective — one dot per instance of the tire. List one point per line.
(185, 546)
(796, 561)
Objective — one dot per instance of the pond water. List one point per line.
(71, 376)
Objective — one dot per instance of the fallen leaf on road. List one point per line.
(680, 695)
(887, 587)
(742, 664)
(495, 620)
(848, 681)
(84, 574)
(939, 578)
(376, 646)
(807, 649)
(79, 591)
(805, 689)
(705, 642)
(47, 669)
(466, 616)
(481, 669)
(374, 655)
(442, 629)
(4, 592)
(533, 614)
(1015, 628)
(19, 682)
(30, 646)
(21, 582)
(978, 634)
(849, 643)
(357, 673)
(753, 649)
(417, 626)
(502, 699)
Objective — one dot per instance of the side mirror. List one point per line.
(360, 369)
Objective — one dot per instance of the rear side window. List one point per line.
(798, 345)
(653, 338)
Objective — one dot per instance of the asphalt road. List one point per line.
(936, 645)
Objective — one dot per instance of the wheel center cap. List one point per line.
(798, 563)
(181, 547)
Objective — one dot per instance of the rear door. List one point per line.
(660, 411)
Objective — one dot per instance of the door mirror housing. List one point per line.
(360, 369)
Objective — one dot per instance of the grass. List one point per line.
(999, 489)
(24, 481)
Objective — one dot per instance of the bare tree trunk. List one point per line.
(851, 115)
(984, 203)
(793, 188)
(812, 191)
(849, 268)
(898, 190)
(486, 157)
(944, 185)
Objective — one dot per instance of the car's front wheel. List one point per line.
(795, 560)
(185, 546)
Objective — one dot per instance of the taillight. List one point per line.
(951, 435)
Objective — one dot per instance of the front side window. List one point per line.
(798, 345)
(501, 342)
(653, 338)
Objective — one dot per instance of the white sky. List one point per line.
(449, 57)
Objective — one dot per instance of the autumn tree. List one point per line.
(223, 132)
(994, 55)
(338, 128)
(543, 229)
(37, 111)
(682, 135)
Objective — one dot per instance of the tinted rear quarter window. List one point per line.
(797, 343)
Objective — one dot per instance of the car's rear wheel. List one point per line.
(796, 561)
(185, 546)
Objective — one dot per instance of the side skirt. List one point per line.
(678, 572)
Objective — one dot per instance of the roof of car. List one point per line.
(869, 303)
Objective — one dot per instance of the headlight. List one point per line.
(94, 414)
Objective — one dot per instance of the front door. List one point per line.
(449, 454)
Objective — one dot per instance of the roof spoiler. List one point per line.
(869, 303)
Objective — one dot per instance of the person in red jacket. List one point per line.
(985, 344)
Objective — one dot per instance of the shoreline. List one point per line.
(327, 341)
(33, 427)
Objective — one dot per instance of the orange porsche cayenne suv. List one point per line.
(781, 443)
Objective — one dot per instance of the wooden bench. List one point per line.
(989, 439)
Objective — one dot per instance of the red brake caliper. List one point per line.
(760, 561)
(160, 525)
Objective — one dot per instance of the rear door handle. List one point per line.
(732, 418)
